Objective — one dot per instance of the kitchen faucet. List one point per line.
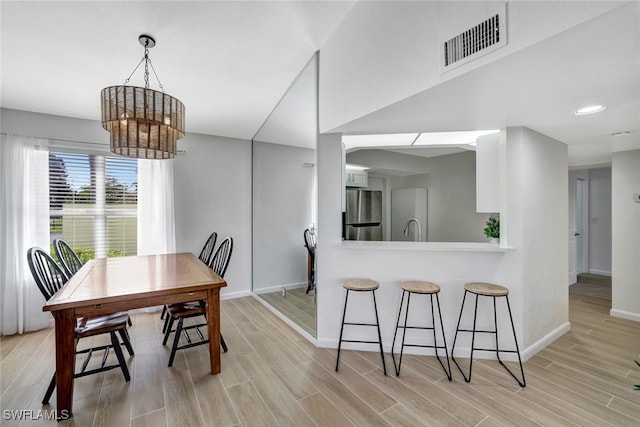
(406, 228)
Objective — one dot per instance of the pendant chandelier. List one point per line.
(143, 122)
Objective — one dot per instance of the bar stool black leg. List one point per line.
(393, 344)
(522, 383)
(404, 330)
(444, 339)
(473, 337)
(344, 313)
(375, 308)
(455, 337)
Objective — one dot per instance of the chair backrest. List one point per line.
(69, 260)
(207, 250)
(310, 241)
(49, 276)
(220, 260)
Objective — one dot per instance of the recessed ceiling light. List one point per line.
(589, 110)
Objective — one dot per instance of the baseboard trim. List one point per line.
(286, 320)
(234, 295)
(600, 272)
(539, 345)
(278, 288)
(625, 315)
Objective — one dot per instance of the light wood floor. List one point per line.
(271, 376)
(297, 305)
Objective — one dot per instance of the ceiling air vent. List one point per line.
(483, 38)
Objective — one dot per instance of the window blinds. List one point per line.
(93, 202)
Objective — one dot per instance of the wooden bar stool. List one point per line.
(494, 291)
(361, 285)
(421, 288)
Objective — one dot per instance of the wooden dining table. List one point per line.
(109, 285)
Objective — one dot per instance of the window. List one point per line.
(93, 202)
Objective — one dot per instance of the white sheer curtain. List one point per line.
(24, 222)
(156, 219)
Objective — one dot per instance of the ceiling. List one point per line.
(540, 87)
(231, 62)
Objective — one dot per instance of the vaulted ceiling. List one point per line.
(231, 62)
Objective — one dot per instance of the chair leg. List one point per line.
(52, 385)
(344, 313)
(176, 339)
(223, 344)
(164, 312)
(167, 330)
(393, 344)
(116, 347)
(126, 340)
(167, 319)
(129, 322)
(375, 307)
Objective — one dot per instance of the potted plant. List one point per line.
(492, 229)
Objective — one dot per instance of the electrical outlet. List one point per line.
(636, 197)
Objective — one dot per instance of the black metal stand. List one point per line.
(377, 325)
(473, 331)
(435, 346)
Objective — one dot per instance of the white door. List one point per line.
(579, 231)
(578, 211)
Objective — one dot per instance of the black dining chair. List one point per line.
(205, 256)
(69, 260)
(181, 311)
(310, 244)
(50, 277)
(207, 250)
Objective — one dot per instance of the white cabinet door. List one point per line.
(488, 173)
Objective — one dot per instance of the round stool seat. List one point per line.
(487, 289)
(420, 287)
(360, 285)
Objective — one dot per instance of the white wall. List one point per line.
(383, 52)
(625, 178)
(534, 270)
(281, 212)
(600, 221)
(537, 183)
(38, 125)
(212, 185)
(452, 199)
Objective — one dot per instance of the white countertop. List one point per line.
(428, 246)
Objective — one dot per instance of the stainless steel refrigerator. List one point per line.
(363, 216)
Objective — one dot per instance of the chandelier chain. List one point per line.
(146, 67)
(147, 63)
